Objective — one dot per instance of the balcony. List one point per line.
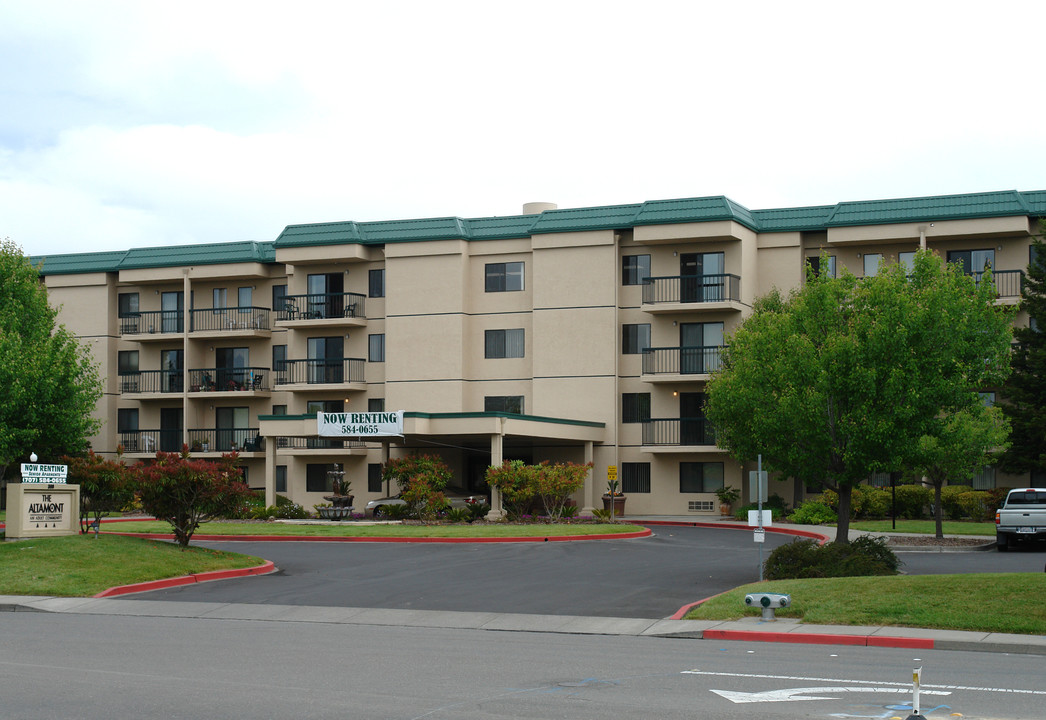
(322, 374)
(231, 322)
(224, 440)
(153, 325)
(679, 435)
(229, 381)
(145, 443)
(1008, 284)
(156, 383)
(323, 310)
(692, 293)
(681, 364)
(317, 446)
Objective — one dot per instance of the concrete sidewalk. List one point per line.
(750, 629)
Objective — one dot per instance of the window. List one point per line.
(326, 359)
(375, 404)
(503, 403)
(984, 479)
(245, 298)
(279, 409)
(871, 264)
(127, 362)
(127, 303)
(700, 347)
(279, 298)
(815, 264)
(973, 262)
(377, 283)
(635, 339)
(127, 420)
(374, 477)
(504, 277)
(635, 269)
(503, 343)
(700, 477)
(220, 299)
(281, 478)
(635, 407)
(376, 348)
(907, 261)
(279, 358)
(316, 477)
(635, 477)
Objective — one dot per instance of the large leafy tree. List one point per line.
(842, 377)
(48, 382)
(1025, 397)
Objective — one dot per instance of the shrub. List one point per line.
(105, 486)
(477, 510)
(875, 502)
(976, 504)
(513, 480)
(913, 501)
(952, 508)
(802, 558)
(813, 512)
(555, 483)
(404, 470)
(186, 492)
(395, 512)
(458, 515)
(284, 509)
(424, 499)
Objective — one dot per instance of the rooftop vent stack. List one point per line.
(536, 208)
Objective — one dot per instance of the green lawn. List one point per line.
(80, 565)
(988, 602)
(349, 529)
(925, 527)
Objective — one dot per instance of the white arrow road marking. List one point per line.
(794, 694)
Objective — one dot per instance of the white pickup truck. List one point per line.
(1022, 517)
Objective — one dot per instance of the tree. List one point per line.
(958, 446)
(841, 378)
(187, 492)
(49, 384)
(105, 486)
(1025, 397)
(421, 480)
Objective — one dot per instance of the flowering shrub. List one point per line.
(404, 471)
(555, 483)
(513, 480)
(423, 499)
(105, 486)
(186, 492)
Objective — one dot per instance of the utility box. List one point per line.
(768, 602)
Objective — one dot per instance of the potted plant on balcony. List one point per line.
(613, 499)
(727, 497)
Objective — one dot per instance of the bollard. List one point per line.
(916, 679)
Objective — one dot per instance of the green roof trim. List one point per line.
(818, 218)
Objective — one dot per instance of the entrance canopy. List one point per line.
(493, 430)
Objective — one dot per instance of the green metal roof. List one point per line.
(940, 207)
(654, 212)
(75, 263)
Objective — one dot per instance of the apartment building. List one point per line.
(562, 334)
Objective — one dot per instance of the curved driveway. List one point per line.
(643, 578)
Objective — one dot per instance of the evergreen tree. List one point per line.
(1024, 399)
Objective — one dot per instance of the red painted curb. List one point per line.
(819, 639)
(736, 526)
(317, 538)
(263, 569)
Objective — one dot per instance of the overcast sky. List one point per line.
(137, 124)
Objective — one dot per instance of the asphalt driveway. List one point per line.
(642, 578)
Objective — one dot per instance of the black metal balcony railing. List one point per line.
(320, 371)
(695, 360)
(226, 440)
(152, 321)
(149, 441)
(151, 381)
(691, 289)
(237, 318)
(301, 443)
(318, 306)
(228, 379)
(678, 431)
(1008, 283)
